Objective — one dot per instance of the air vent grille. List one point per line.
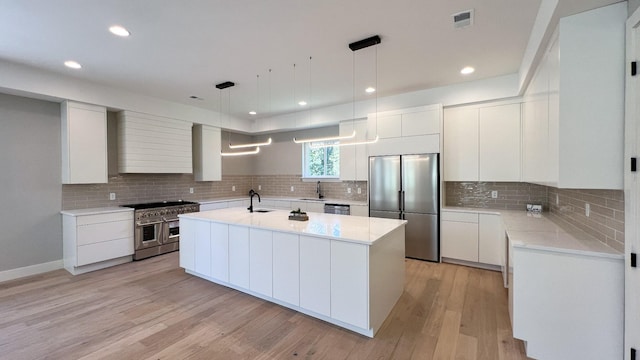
(463, 19)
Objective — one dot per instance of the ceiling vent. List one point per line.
(463, 19)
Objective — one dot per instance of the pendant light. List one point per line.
(374, 40)
(323, 139)
(226, 85)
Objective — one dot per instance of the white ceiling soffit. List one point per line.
(547, 20)
(179, 49)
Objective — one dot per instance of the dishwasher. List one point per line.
(339, 209)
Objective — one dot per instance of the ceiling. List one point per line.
(179, 49)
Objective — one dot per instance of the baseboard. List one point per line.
(30, 270)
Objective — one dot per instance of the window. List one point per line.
(321, 162)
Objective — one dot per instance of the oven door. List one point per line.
(148, 234)
(171, 230)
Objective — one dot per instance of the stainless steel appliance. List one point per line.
(408, 187)
(157, 227)
(340, 209)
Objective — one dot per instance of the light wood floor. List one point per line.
(151, 309)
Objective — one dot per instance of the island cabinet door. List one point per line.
(286, 269)
(349, 283)
(187, 244)
(220, 251)
(261, 261)
(203, 248)
(315, 275)
(239, 256)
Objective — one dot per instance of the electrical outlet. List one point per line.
(190, 190)
(494, 194)
(587, 209)
(348, 190)
(291, 188)
(112, 196)
(259, 187)
(233, 188)
(359, 190)
(557, 199)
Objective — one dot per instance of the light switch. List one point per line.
(359, 190)
(233, 188)
(348, 190)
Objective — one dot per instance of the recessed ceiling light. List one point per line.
(467, 70)
(302, 103)
(119, 30)
(370, 90)
(72, 64)
(252, 112)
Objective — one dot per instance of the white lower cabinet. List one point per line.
(202, 262)
(359, 210)
(491, 240)
(187, 243)
(473, 237)
(261, 261)
(460, 236)
(94, 240)
(286, 269)
(219, 251)
(349, 283)
(239, 256)
(317, 207)
(315, 275)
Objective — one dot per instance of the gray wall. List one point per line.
(236, 165)
(30, 176)
(283, 156)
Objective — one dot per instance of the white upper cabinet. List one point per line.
(84, 143)
(406, 131)
(482, 142)
(580, 81)
(153, 144)
(354, 159)
(461, 144)
(207, 162)
(499, 143)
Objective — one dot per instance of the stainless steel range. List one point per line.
(157, 227)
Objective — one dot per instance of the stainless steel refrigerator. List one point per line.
(407, 187)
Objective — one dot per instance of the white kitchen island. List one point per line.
(346, 270)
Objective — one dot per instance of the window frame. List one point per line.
(305, 166)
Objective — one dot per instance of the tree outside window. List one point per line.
(321, 162)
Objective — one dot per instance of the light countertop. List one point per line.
(357, 229)
(546, 231)
(267, 198)
(95, 211)
(549, 232)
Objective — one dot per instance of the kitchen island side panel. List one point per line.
(382, 283)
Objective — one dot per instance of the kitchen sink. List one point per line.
(312, 199)
(262, 210)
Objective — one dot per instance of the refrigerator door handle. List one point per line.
(403, 200)
(400, 204)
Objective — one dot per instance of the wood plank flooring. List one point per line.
(151, 309)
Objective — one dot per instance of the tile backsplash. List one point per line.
(511, 195)
(606, 214)
(139, 188)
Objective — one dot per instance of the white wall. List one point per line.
(466, 92)
(30, 179)
(31, 82)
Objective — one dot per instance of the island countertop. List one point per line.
(357, 229)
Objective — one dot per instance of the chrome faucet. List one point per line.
(320, 196)
(251, 194)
